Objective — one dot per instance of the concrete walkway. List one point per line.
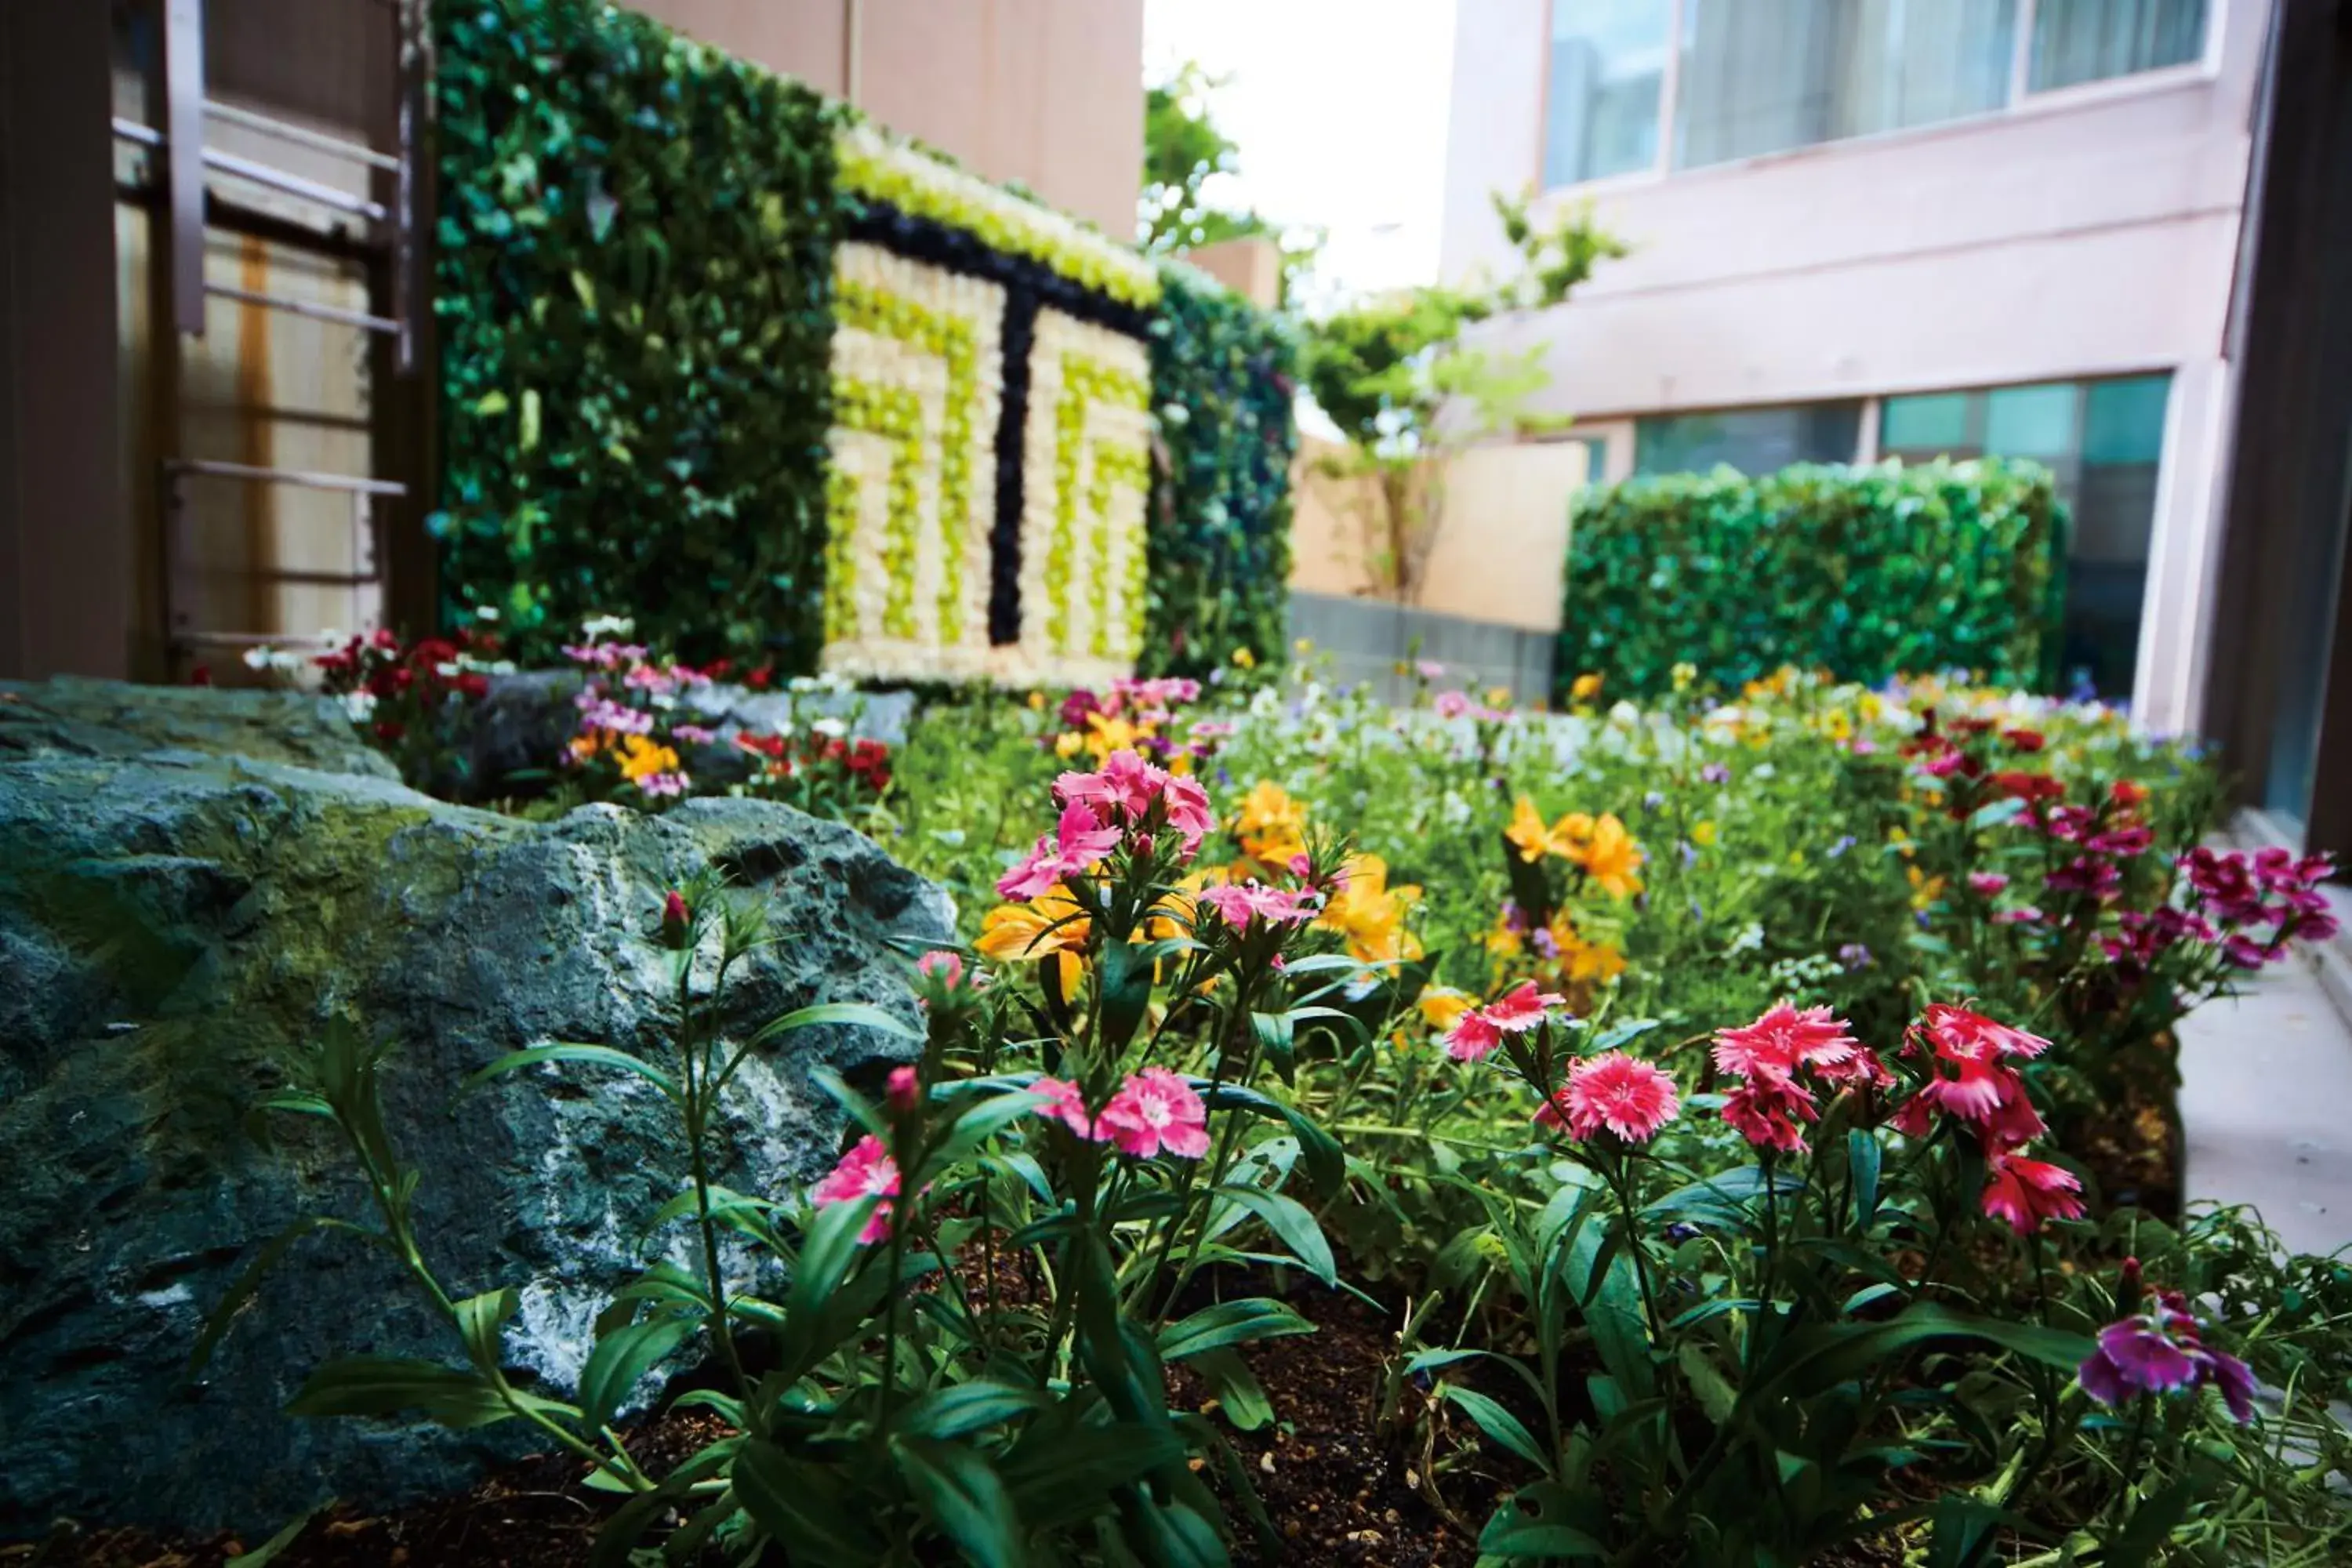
(2266, 1096)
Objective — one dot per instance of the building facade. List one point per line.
(1863, 228)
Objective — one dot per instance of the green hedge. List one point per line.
(1219, 544)
(633, 276)
(1869, 573)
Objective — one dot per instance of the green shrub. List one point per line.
(634, 281)
(1868, 572)
(1220, 528)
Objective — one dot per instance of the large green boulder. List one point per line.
(192, 885)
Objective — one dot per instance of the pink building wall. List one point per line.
(2087, 232)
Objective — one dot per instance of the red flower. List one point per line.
(2027, 1192)
(1980, 1086)
(1615, 1093)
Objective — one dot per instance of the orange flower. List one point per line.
(1533, 840)
(1610, 857)
(1370, 913)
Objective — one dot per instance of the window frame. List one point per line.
(2019, 101)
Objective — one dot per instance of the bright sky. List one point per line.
(1338, 108)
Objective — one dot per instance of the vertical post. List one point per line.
(2021, 57)
(1670, 83)
(183, 97)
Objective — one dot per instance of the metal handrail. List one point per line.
(305, 308)
(351, 483)
(301, 136)
(260, 174)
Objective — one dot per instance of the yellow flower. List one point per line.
(1037, 702)
(1686, 674)
(1925, 890)
(1272, 827)
(1584, 687)
(1109, 734)
(1441, 1006)
(1564, 838)
(1069, 743)
(1303, 646)
(1595, 961)
(1703, 833)
(1498, 697)
(643, 758)
(1611, 858)
(1043, 925)
(1371, 914)
(1245, 660)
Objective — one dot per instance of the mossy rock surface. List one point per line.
(177, 917)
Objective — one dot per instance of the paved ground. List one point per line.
(2267, 1098)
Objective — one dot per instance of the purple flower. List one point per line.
(1854, 955)
(1840, 847)
(1715, 772)
(2160, 1351)
(1652, 800)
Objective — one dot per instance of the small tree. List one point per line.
(1182, 150)
(1393, 375)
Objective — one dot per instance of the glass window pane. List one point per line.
(2031, 421)
(1762, 76)
(1936, 423)
(1753, 440)
(2090, 40)
(2123, 421)
(1601, 104)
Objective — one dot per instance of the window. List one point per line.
(1749, 77)
(1753, 440)
(2077, 41)
(1608, 67)
(2103, 440)
(1789, 73)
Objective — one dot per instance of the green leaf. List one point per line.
(263, 1555)
(1230, 1323)
(1290, 1221)
(962, 1407)
(599, 1055)
(1273, 1034)
(1171, 1535)
(620, 1359)
(480, 1319)
(1498, 1424)
(799, 1505)
(1862, 1153)
(1326, 1163)
(1239, 1395)
(859, 1014)
(247, 1282)
(1514, 1532)
(2150, 1530)
(389, 1385)
(1057, 1478)
(1126, 981)
(963, 1495)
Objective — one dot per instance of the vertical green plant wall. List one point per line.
(1867, 572)
(725, 358)
(633, 286)
(1220, 528)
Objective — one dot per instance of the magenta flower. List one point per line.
(1079, 843)
(1787, 1038)
(1473, 1037)
(941, 965)
(2027, 1192)
(1615, 1093)
(1767, 1114)
(1985, 884)
(2021, 915)
(866, 1172)
(904, 1092)
(1066, 1102)
(1521, 1008)
(2161, 1352)
(1238, 902)
(1451, 704)
(1155, 1109)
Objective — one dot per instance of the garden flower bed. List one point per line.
(1737, 1129)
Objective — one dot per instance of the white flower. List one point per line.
(598, 627)
(1625, 715)
(360, 706)
(832, 728)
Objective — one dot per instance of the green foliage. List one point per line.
(1181, 148)
(1866, 573)
(1219, 539)
(633, 277)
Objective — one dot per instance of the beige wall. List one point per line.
(2084, 234)
(1502, 539)
(1047, 92)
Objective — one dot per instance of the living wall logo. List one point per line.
(991, 453)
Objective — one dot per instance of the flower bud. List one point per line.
(2127, 1286)
(943, 966)
(677, 921)
(904, 1093)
